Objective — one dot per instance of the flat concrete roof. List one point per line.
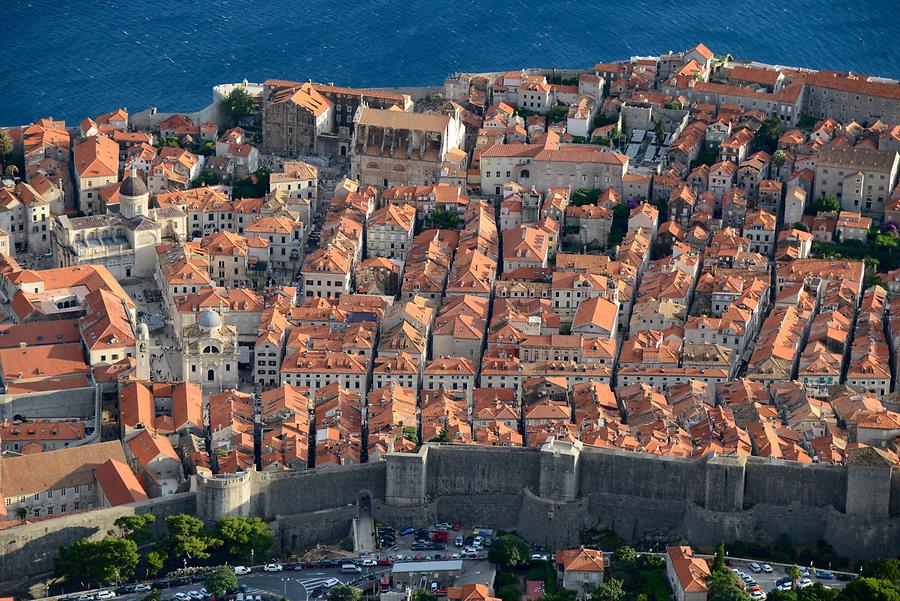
(427, 566)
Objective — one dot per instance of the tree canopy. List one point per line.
(187, 538)
(136, 527)
(424, 595)
(240, 536)
(508, 550)
(827, 204)
(6, 144)
(871, 589)
(724, 586)
(93, 562)
(611, 590)
(767, 136)
(343, 592)
(221, 581)
(239, 103)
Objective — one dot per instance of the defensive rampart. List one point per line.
(549, 495)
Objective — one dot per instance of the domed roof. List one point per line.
(209, 319)
(132, 185)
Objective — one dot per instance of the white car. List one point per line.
(804, 582)
(106, 595)
(182, 597)
(195, 595)
(142, 588)
(331, 583)
(272, 567)
(369, 562)
(241, 570)
(785, 586)
(456, 556)
(766, 568)
(86, 598)
(757, 595)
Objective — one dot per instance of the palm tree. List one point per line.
(794, 573)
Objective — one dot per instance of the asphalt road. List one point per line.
(294, 585)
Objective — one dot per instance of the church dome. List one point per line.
(133, 186)
(209, 319)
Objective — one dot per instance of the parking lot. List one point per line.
(303, 582)
(435, 542)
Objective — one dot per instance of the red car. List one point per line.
(384, 561)
(440, 536)
(456, 526)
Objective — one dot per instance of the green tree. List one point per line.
(611, 590)
(241, 536)
(444, 436)
(508, 550)
(154, 562)
(343, 592)
(660, 131)
(625, 554)
(509, 592)
(410, 433)
(136, 527)
(871, 589)
(779, 158)
(105, 560)
(886, 240)
(718, 564)
(238, 103)
(6, 145)
(827, 204)
(817, 592)
(423, 595)
(725, 586)
(794, 573)
(221, 581)
(887, 569)
(205, 178)
(767, 136)
(187, 538)
(560, 594)
(170, 141)
(557, 114)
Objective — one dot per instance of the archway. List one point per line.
(211, 375)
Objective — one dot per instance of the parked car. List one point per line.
(804, 582)
(182, 597)
(350, 568)
(328, 563)
(86, 598)
(407, 531)
(241, 570)
(478, 541)
(369, 562)
(846, 577)
(384, 561)
(106, 595)
(443, 526)
(824, 574)
(766, 568)
(459, 541)
(142, 588)
(755, 567)
(195, 595)
(272, 567)
(331, 583)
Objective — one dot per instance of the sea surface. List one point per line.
(75, 58)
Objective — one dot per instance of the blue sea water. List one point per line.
(75, 58)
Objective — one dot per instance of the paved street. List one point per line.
(294, 585)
